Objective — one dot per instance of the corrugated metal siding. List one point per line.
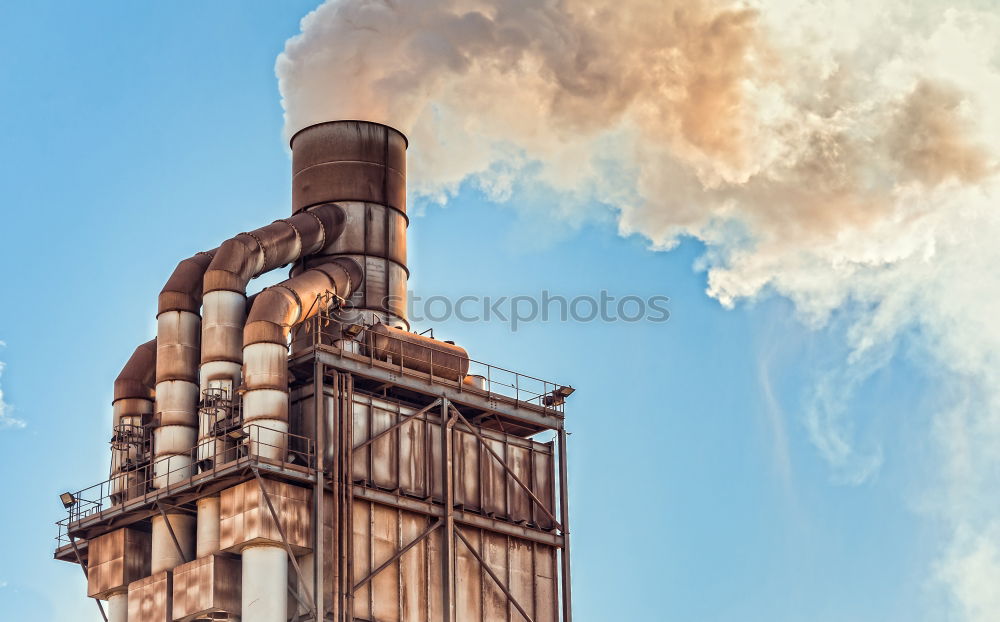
(408, 461)
(410, 589)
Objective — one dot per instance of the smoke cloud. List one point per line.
(835, 153)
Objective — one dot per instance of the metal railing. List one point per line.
(438, 366)
(254, 442)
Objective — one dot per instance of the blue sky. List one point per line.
(137, 134)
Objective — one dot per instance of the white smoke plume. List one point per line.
(838, 153)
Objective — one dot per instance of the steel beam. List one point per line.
(567, 584)
(377, 370)
(462, 517)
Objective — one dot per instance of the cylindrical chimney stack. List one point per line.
(361, 166)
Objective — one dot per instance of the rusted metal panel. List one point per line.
(117, 559)
(469, 603)
(543, 484)
(413, 579)
(494, 479)
(245, 518)
(519, 461)
(361, 547)
(149, 599)
(384, 543)
(467, 471)
(546, 590)
(413, 457)
(408, 461)
(384, 456)
(410, 589)
(206, 586)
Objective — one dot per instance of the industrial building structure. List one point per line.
(298, 454)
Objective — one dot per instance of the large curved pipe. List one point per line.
(265, 348)
(224, 300)
(178, 334)
(133, 401)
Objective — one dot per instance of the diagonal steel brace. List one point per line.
(396, 425)
(506, 468)
(397, 555)
(489, 571)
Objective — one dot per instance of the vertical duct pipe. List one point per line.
(133, 402)
(236, 262)
(265, 584)
(178, 333)
(361, 166)
(208, 526)
(265, 349)
(166, 528)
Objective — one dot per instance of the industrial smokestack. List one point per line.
(361, 166)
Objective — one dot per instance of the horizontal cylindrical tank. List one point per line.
(438, 358)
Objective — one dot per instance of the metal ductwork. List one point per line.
(178, 336)
(275, 312)
(135, 389)
(235, 263)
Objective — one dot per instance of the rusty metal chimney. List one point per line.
(361, 166)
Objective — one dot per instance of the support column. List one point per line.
(173, 541)
(208, 526)
(448, 536)
(319, 493)
(567, 597)
(118, 607)
(265, 584)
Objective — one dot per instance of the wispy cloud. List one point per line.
(7, 420)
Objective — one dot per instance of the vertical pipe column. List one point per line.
(133, 402)
(178, 341)
(265, 584)
(118, 607)
(207, 541)
(221, 335)
(173, 541)
(178, 334)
